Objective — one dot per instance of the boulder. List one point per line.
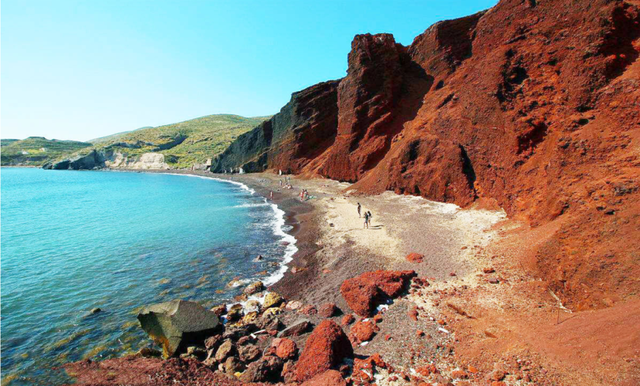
(285, 348)
(298, 328)
(328, 378)
(293, 305)
(363, 292)
(235, 312)
(328, 310)
(272, 299)
(219, 310)
(263, 370)
(324, 350)
(233, 365)
(249, 353)
(252, 306)
(225, 350)
(363, 331)
(254, 288)
(177, 324)
(347, 319)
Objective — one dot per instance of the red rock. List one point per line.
(377, 318)
(413, 313)
(420, 333)
(497, 375)
(325, 349)
(328, 378)
(474, 112)
(285, 348)
(472, 370)
(328, 310)
(459, 374)
(415, 258)
(427, 370)
(308, 310)
(363, 292)
(363, 331)
(347, 319)
(365, 369)
(488, 270)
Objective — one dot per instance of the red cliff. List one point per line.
(532, 105)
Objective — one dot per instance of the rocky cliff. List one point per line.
(534, 105)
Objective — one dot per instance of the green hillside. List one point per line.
(184, 143)
(35, 151)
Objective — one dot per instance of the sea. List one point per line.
(73, 241)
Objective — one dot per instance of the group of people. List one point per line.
(286, 183)
(367, 216)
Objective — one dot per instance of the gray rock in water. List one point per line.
(95, 310)
(177, 324)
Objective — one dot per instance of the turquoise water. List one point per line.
(73, 240)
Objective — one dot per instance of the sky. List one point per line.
(85, 69)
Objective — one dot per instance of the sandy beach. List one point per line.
(474, 313)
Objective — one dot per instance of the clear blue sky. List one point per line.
(85, 69)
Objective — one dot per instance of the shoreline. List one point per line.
(480, 314)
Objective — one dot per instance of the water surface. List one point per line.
(73, 241)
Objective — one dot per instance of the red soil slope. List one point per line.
(533, 105)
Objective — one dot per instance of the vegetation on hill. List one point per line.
(36, 151)
(184, 143)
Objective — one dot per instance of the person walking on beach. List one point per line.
(366, 220)
(359, 208)
(369, 217)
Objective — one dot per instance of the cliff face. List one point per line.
(533, 105)
(302, 130)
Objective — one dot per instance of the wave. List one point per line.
(278, 225)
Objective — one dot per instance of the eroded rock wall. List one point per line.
(532, 105)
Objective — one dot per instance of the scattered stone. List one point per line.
(220, 310)
(226, 349)
(235, 312)
(459, 374)
(328, 378)
(363, 331)
(413, 313)
(296, 329)
(308, 310)
(250, 317)
(493, 280)
(285, 348)
(258, 258)
(324, 350)
(497, 375)
(176, 324)
(415, 258)
(95, 310)
(272, 311)
(328, 310)
(212, 342)
(272, 299)
(252, 306)
(347, 319)
(249, 353)
(488, 270)
(293, 305)
(263, 370)
(149, 352)
(232, 365)
(254, 288)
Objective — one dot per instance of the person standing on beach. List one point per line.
(359, 208)
(366, 220)
(369, 217)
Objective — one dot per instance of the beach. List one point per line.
(473, 312)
